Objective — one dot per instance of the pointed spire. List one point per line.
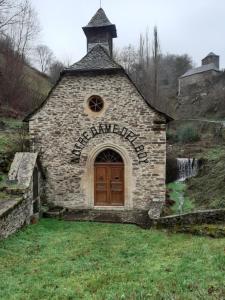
(99, 19)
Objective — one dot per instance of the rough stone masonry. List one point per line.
(69, 135)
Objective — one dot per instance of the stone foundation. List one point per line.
(139, 217)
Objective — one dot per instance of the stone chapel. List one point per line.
(102, 146)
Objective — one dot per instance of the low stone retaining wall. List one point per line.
(14, 214)
(138, 217)
(198, 217)
(20, 203)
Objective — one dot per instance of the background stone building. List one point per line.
(101, 145)
(207, 71)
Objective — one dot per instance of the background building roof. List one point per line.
(211, 54)
(203, 68)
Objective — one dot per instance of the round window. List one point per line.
(96, 103)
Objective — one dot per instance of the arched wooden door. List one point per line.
(109, 179)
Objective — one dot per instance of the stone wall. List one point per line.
(199, 78)
(17, 206)
(58, 125)
(202, 100)
(15, 215)
(198, 217)
(138, 217)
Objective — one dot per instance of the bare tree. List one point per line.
(9, 13)
(156, 59)
(15, 42)
(127, 57)
(54, 70)
(24, 30)
(143, 69)
(44, 57)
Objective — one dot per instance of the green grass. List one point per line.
(68, 260)
(208, 188)
(177, 189)
(5, 141)
(12, 123)
(9, 136)
(3, 179)
(11, 141)
(216, 153)
(4, 196)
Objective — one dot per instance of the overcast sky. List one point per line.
(195, 27)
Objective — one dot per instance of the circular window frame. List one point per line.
(96, 104)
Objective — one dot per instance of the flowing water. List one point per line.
(187, 167)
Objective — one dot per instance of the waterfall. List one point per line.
(187, 167)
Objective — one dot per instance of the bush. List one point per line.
(187, 135)
(171, 136)
(183, 135)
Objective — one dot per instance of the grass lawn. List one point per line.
(71, 260)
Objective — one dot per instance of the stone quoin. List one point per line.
(102, 146)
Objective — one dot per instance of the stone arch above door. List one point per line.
(88, 182)
(109, 179)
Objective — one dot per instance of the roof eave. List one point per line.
(81, 71)
(112, 28)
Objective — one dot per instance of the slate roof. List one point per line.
(100, 20)
(203, 68)
(97, 59)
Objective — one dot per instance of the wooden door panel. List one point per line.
(101, 185)
(117, 185)
(109, 185)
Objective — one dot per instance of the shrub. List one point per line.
(187, 135)
(171, 136)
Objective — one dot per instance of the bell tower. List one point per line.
(100, 31)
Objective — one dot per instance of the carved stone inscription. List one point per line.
(124, 132)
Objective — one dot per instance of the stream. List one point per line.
(186, 168)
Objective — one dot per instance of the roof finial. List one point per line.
(100, 3)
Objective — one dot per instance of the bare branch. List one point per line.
(44, 57)
(24, 30)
